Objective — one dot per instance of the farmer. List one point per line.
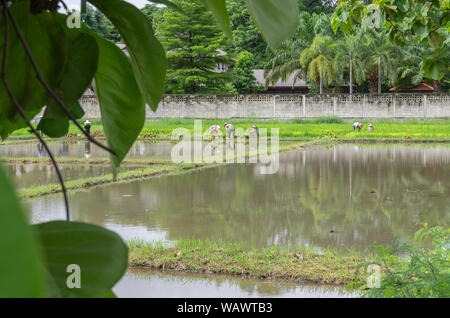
(87, 127)
(370, 127)
(214, 129)
(254, 132)
(229, 129)
(358, 126)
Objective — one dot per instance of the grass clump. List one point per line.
(301, 264)
(328, 120)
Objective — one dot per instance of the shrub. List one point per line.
(413, 272)
(328, 120)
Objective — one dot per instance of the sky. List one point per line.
(75, 4)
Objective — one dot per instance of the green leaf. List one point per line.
(110, 294)
(219, 9)
(121, 103)
(80, 65)
(53, 127)
(20, 270)
(101, 255)
(335, 22)
(435, 40)
(147, 56)
(403, 5)
(43, 37)
(434, 68)
(276, 19)
(420, 30)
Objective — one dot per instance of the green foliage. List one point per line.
(246, 36)
(80, 65)
(414, 272)
(121, 104)
(38, 257)
(276, 22)
(405, 21)
(149, 69)
(68, 60)
(99, 23)
(244, 80)
(44, 36)
(20, 271)
(101, 255)
(328, 120)
(192, 41)
(318, 60)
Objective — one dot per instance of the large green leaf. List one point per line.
(276, 19)
(147, 56)
(43, 39)
(434, 68)
(20, 269)
(80, 65)
(121, 103)
(219, 9)
(101, 255)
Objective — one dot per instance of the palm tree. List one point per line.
(410, 72)
(318, 60)
(380, 57)
(285, 60)
(284, 63)
(349, 59)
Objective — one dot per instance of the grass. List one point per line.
(300, 129)
(297, 264)
(153, 170)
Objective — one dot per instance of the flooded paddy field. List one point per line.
(84, 149)
(346, 196)
(28, 175)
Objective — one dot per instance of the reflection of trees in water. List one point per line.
(361, 194)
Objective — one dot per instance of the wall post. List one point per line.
(304, 105)
(424, 106)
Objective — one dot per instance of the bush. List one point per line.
(328, 120)
(413, 272)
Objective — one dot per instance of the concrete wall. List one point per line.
(294, 106)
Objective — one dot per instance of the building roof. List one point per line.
(422, 87)
(259, 75)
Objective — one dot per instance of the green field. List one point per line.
(299, 129)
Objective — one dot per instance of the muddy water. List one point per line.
(342, 196)
(157, 284)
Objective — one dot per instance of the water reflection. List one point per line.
(78, 149)
(26, 175)
(346, 196)
(156, 284)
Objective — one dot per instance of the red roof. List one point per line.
(422, 87)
